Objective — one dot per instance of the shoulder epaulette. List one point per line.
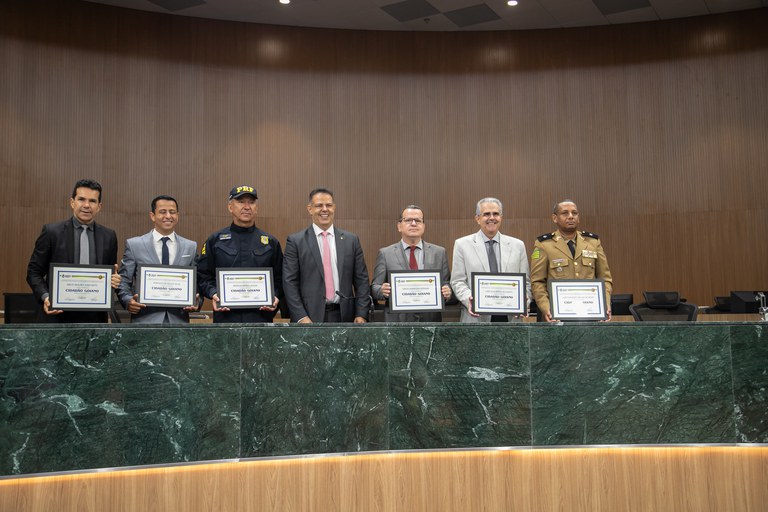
(545, 237)
(590, 235)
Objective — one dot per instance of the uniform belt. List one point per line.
(332, 306)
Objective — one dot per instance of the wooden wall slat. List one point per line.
(657, 130)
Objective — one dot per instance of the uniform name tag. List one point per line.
(558, 262)
(589, 254)
(225, 236)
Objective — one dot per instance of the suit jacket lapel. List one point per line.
(69, 241)
(505, 253)
(341, 247)
(579, 245)
(149, 248)
(562, 246)
(181, 246)
(480, 250)
(429, 256)
(311, 241)
(400, 256)
(99, 251)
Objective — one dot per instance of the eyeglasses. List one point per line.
(412, 221)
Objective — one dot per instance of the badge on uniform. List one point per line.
(225, 236)
(588, 254)
(203, 251)
(559, 269)
(265, 239)
(558, 262)
(536, 254)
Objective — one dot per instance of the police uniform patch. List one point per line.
(225, 236)
(536, 254)
(265, 239)
(203, 251)
(590, 235)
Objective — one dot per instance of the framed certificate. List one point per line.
(166, 285)
(245, 287)
(499, 293)
(415, 291)
(577, 299)
(81, 287)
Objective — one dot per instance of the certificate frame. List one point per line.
(150, 295)
(589, 295)
(428, 282)
(481, 283)
(232, 299)
(63, 278)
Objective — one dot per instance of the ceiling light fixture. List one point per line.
(285, 2)
(512, 3)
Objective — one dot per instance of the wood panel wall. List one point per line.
(659, 131)
(704, 479)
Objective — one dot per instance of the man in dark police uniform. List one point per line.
(243, 245)
(567, 254)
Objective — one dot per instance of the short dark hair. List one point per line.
(91, 184)
(556, 208)
(163, 198)
(411, 207)
(319, 190)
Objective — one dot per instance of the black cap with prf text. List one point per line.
(242, 190)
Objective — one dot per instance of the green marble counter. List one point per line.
(79, 397)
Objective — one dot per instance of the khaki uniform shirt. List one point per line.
(551, 259)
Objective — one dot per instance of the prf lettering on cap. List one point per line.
(244, 189)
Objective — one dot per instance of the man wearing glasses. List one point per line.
(410, 253)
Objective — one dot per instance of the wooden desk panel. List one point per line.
(696, 479)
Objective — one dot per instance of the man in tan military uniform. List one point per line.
(553, 258)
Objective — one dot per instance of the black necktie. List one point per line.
(492, 263)
(572, 247)
(166, 260)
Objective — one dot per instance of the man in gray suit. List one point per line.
(324, 274)
(410, 253)
(472, 253)
(161, 246)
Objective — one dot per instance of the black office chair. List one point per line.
(620, 303)
(663, 307)
(20, 308)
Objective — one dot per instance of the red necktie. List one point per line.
(330, 290)
(412, 260)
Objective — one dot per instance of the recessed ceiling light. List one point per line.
(285, 2)
(512, 3)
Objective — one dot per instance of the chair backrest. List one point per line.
(662, 300)
(20, 308)
(663, 307)
(620, 303)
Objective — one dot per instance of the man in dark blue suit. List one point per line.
(324, 274)
(60, 242)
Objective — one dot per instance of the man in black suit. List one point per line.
(324, 273)
(61, 242)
